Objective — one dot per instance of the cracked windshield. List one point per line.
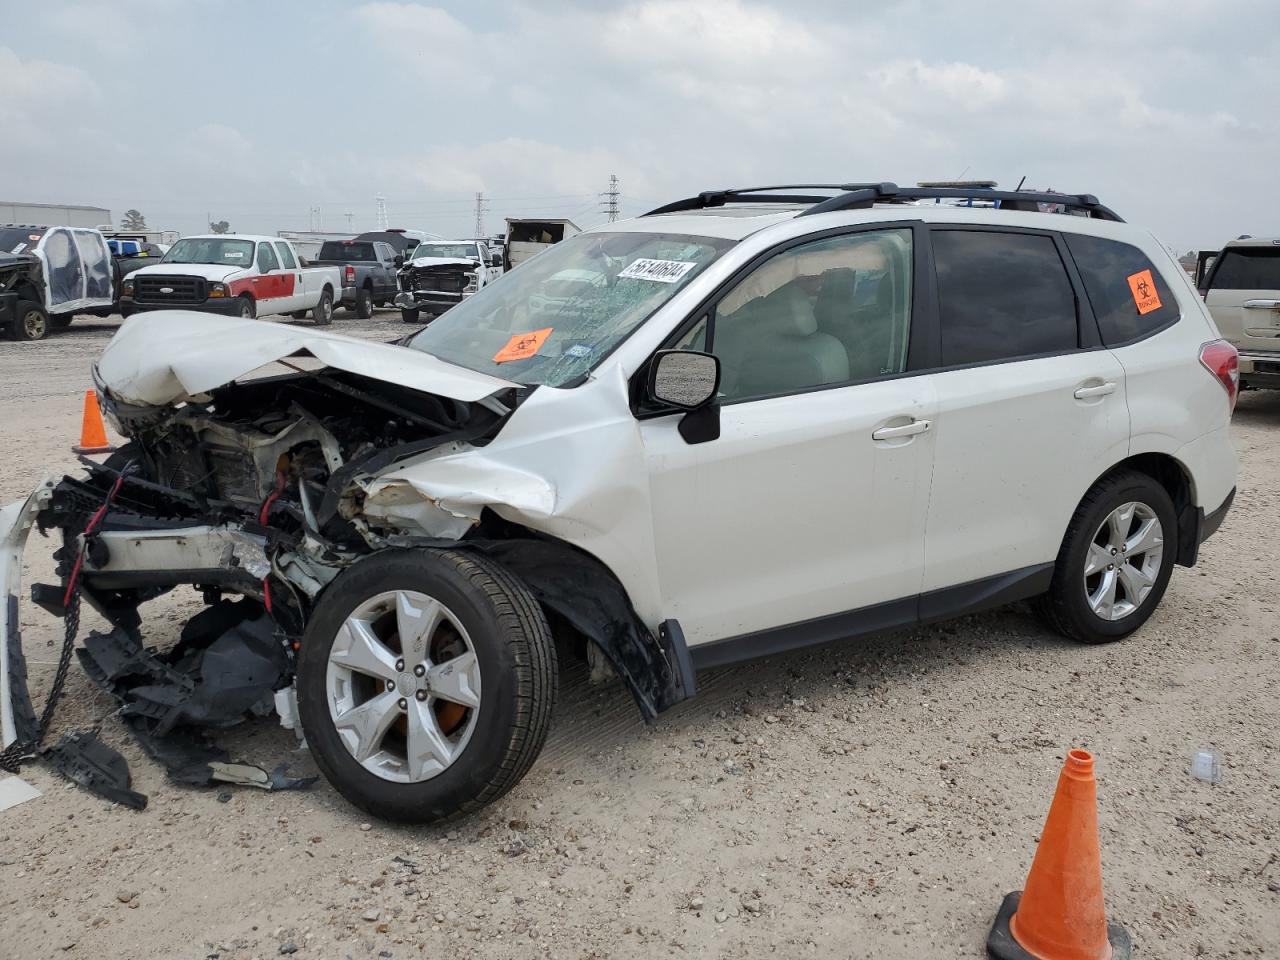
(554, 318)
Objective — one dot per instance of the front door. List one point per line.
(1031, 409)
(268, 286)
(811, 501)
(290, 278)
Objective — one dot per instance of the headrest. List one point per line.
(787, 311)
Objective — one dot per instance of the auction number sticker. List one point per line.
(660, 271)
(523, 345)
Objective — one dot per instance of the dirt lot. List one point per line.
(875, 799)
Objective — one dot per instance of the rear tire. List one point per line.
(31, 322)
(322, 315)
(506, 632)
(409, 316)
(364, 303)
(1115, 562)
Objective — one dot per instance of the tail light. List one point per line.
(1221, 359)
(350, 273)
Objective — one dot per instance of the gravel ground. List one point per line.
(874, 799)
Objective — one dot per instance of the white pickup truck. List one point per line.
(237, 275)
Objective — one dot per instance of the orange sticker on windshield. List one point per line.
(1143, 288)
(523, 345)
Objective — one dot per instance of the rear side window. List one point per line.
(1247, 268)
(1127, 293)
(1002, 296)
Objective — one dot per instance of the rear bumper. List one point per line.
(225, 306)
(1260, 370)
(1210, 522)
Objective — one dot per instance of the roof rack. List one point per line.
(851, 196)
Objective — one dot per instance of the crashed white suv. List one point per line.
(770, 419)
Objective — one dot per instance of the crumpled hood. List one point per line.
(440, 262)
(170, 356)
(209, 271)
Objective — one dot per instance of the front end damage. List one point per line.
(259, 493)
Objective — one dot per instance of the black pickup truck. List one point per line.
(369, 272)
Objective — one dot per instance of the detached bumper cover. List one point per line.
(17, 720)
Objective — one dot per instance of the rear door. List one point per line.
(1031, 407)
(290, 282)
(1244, 296)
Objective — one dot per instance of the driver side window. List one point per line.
(266, 258)
(821, 314)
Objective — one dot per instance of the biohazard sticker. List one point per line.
(523, 345)
(1143, 288)
(662, 271)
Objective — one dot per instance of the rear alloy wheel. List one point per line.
(1115, 561)
(364, 303)
(322, 315)
(425, 683)
(31, 323)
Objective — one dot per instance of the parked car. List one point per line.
(242, 276)
(776, 420)
(370, 272)
(443, 273)
(74, 276)
(1242, 290)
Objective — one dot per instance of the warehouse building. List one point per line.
(54, 214)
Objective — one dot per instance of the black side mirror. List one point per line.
(399, 261)
(496, 262)
(684, 378)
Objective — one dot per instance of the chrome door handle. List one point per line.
(1099, 390)
(1261, 304)
(906, 430)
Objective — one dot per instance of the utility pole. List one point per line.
(482, 205)
(384, 221)
(609, 199)
(317, 220)
(349, 217)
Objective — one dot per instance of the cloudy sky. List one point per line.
(258, 112)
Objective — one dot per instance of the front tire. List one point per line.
(1115, 561)
(248, 309)
(322, 315)
(426, 681)
(31, 321)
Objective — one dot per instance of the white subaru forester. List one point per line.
(747, 422)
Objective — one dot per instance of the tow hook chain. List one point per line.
(18, 752)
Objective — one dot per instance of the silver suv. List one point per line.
(1243, 295)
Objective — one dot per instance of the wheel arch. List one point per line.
(577, 588)
(1177, 481)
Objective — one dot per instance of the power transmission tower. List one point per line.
(609, 199)
(384, 221)
(317, 219)
(349, 217)
(482, 206)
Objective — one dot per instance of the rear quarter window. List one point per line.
(1121, 281)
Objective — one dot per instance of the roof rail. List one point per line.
(861, 195)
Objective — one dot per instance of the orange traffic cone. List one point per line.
(1059, 915)
(93, 434)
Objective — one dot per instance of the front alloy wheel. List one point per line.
(425, 682)
(404, 686)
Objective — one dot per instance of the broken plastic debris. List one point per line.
(1207, 765)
